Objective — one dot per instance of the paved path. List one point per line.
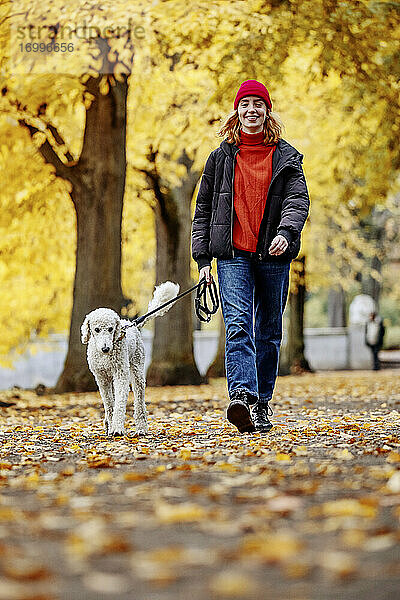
(195, 511)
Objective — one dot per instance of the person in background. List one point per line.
(374, 334)
(251, 207)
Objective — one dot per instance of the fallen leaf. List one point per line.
(231, 584)
(179, 513)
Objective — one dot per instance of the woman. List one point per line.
(250, 210)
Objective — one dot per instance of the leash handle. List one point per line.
(203, 311)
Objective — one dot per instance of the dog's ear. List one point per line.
(85, 330)
(119, 333)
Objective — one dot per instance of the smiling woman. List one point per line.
(252, 111)
(251, 207)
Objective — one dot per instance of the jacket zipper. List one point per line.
(233, 177)
(274, 176)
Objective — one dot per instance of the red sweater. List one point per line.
(253, 171)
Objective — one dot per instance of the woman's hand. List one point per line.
(206, 272)
(278, 245)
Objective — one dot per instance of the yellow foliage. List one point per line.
(332, 81)
(37, 231)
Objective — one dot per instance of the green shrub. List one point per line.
(391, 341)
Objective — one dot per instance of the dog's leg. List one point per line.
(121, 393)
(138, 386)
(107, 395)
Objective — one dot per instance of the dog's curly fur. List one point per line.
(116, 359)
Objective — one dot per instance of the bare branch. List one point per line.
(50, 156)
(56, 135)
(10, 16)
(154, 180)
(35, 123)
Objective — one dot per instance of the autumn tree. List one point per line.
(37, 229)
(172, 139)
(96, 172)
(338, 95)
(347, 124)
(332, 74)
(192, 64)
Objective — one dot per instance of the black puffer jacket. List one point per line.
(286, 208)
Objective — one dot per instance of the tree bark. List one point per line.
(374, 230)
(99, 184)
(369, 284)
(172, 357)
(293, 360)
(336, 307)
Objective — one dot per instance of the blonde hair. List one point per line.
(230, 128)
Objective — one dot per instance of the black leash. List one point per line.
(203, 311)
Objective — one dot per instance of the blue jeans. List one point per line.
(253, 298)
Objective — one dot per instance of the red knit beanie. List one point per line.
(251, 87)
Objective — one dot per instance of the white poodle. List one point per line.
(116, 358)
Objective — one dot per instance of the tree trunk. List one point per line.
(99, 184)
(172, 357)
(217, 367)
(293, 359)
(370, 285)
(336, 307)
(374, 230)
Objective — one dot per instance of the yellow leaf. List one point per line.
(231, 584)
(346, 507)
(179, 513)
(344, 454)
(99, 461)
(341, 564)
(272, 548)
(282, 456)
(135, 476)
(393, 457)
(185, 453)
